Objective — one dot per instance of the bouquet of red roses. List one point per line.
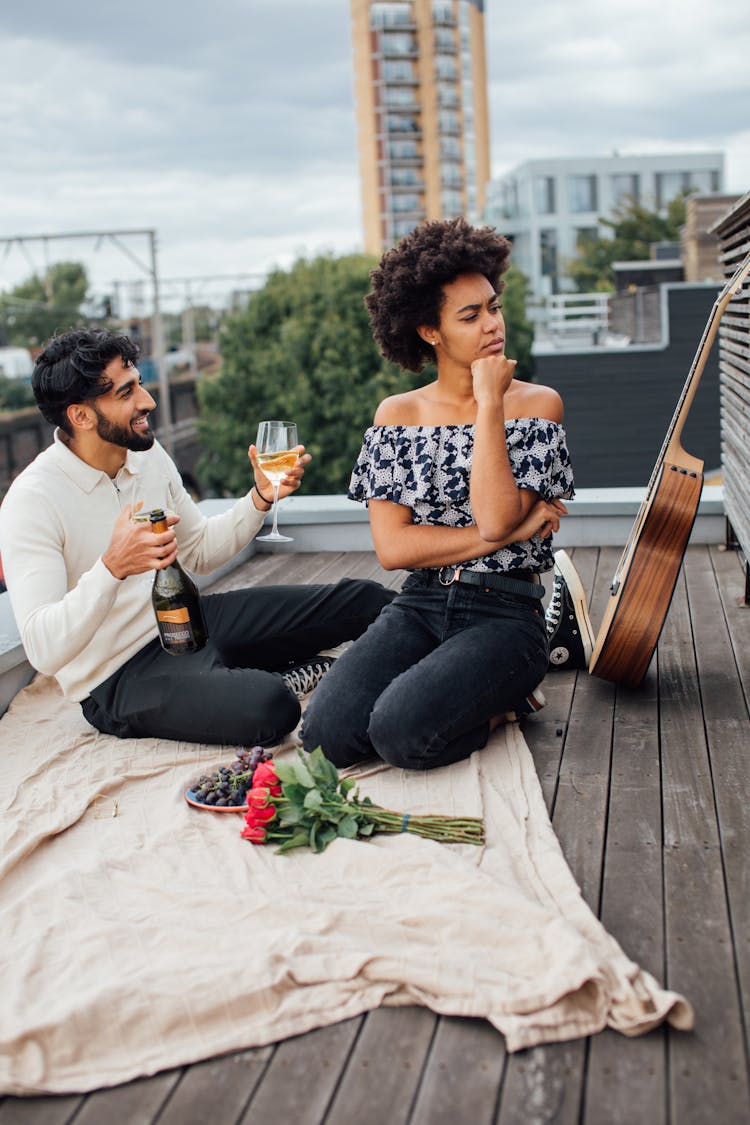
(306, 804)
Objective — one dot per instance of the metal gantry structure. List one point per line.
(150, 268)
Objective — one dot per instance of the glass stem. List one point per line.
(275, 528)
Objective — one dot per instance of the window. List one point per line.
(391, 15)
(548, 255)
(405, 177)
(544, 187)
(582, 194)
(398, 95)
(668, 186)
(406, 202)
(402, 227)
(450, 148)
(398, 70)
(452, 203)
(401, 123)
(403, 150)
(448, 122)
(398, 43)
(444, 40)
(445, 67)
(448, 96)
(625, 186)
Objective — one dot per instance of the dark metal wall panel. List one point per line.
(618, 405)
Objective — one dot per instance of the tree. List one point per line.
(634, 228)
(518, 330)
(15, 394)
(303, 350)
(41, 306)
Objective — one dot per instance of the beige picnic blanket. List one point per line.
(140, 934)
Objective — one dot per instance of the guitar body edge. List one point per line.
(636, 612)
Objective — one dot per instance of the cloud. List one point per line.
(230, 127)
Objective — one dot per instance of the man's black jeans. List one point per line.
(231, 692)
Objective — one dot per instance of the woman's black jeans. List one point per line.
(420, 687)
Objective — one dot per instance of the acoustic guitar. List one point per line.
(646, 575)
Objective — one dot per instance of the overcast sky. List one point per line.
(229, 126)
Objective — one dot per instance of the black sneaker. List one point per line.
(301, 679)
(571, 638)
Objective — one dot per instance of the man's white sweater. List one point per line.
(77, 621)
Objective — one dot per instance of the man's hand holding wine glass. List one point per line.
(291, 480)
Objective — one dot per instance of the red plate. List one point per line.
(190, 798)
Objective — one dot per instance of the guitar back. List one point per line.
(642, 592)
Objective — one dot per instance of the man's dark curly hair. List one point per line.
(407, 286)
(71, 369)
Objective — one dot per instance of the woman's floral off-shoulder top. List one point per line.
(427, 468)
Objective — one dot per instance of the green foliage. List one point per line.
(41, 306)
(302, 350)
(634, 228)
(518, 330)
(15, 394)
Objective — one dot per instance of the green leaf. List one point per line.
(302, 775)
(298, 840)
(348, 827)
(294, 814)
(367, 828)
(325, 836)
(313, 799)
(346, 785)
(295, 793)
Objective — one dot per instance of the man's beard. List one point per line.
(124, 436)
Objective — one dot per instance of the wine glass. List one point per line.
(277, 456)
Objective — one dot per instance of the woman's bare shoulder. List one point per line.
(398, 410)
(530, 400)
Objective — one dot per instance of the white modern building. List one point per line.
(547, 206)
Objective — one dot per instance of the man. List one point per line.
(79, 570)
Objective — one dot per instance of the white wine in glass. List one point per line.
(277, 456)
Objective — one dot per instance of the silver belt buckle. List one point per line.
(454, 578)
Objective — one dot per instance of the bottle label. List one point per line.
(175, 625)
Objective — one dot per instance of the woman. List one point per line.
(463, 478)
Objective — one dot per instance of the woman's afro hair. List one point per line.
(407, 286)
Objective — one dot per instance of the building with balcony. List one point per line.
(547, 207)
(421, 99)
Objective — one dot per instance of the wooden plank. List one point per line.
(384, 1070)
(543, 1085)
(728, 734)
(707, 1066)
(546, 1083)
(626, 1079)
(462, 1076)
(300, 1081)
(137, 1103)
(215, 1092)
(46, 1110)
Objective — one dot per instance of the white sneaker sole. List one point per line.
(564, 564)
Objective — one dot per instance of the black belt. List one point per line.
(522, 583)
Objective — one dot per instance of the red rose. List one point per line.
(265, 777)
(258, 798)
(254, 834)
(260, 816)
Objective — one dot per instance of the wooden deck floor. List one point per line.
(649, 793)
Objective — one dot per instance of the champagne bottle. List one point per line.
(177, 603)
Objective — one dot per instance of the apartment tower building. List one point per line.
(421, 99)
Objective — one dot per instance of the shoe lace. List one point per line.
(303, 679)
(554, 609)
